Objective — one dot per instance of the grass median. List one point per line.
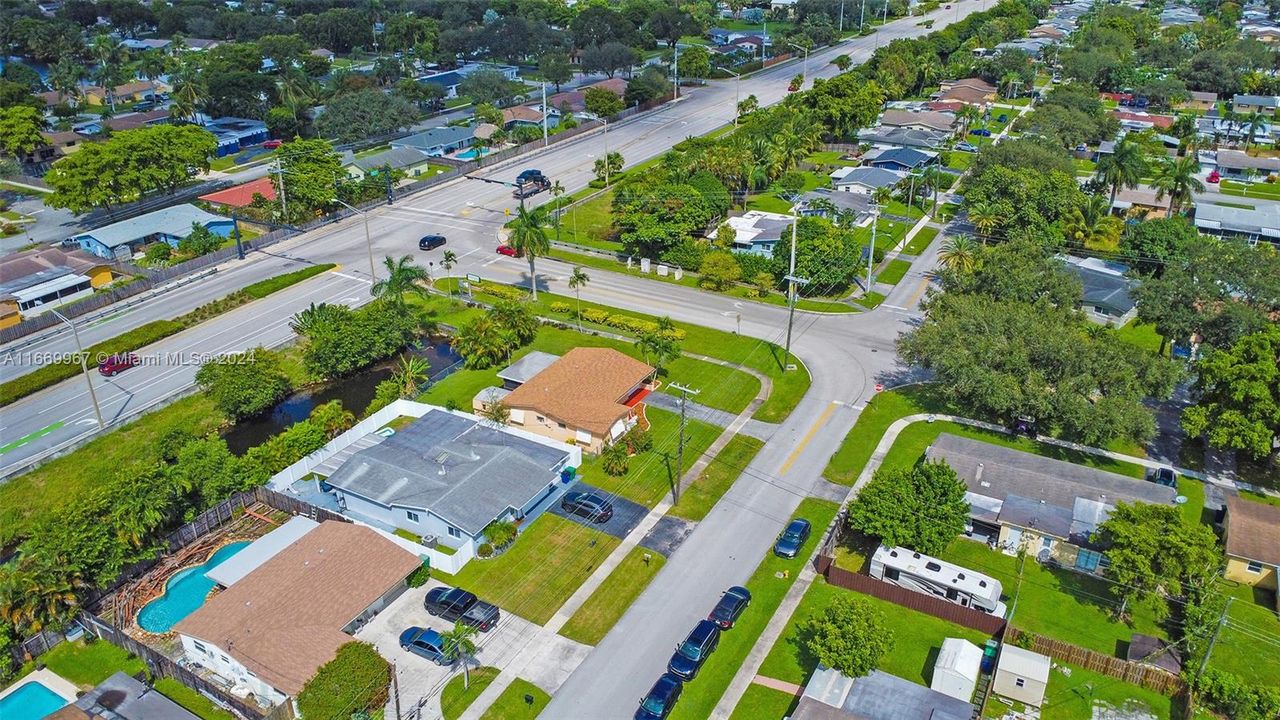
(513, 705)
(716, 479)
(149, 333)
(610, 601)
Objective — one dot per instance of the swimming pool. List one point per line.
(471, 154)
(31, 701)
(184, 593)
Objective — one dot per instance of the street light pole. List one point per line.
(368, 237)
(863, 16)
(675, 75)
(544, 114)
(737, 93)
(805, 68)
(871, 251)
(84, 367)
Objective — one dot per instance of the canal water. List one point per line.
(355, 392)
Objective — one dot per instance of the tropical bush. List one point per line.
(614, 460)
(355, 680)
(501, 533)
(244, 385)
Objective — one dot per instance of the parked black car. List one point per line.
(588, 505)
(458, 604)
(1165, 476)
(792, 539)
(661, 698)
(732, 603)
(430, 242)
(695, 649)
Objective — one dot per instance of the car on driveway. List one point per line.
(1214, 177)
(508, 251)
(430, 242)
(661, 698)
(694, 651)
(117, 364)
(980, 132)
(272, 144)
(792, 538)
(1165, 476)
(426, 643)
(966, 147)
(457, 604)
(587, 505)
(732, 603)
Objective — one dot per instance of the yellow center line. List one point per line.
(915, 296)
(808, 437)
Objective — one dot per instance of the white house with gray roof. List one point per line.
(438, 141)
(409, 160)
(169, 225)
(864, 180)
(448, 475)
(1108, 294)
(1260, 223)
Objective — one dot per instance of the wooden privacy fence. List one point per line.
(223, 512)
(974, 619)
(1146, 676)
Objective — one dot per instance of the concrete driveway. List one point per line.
(626, 514)
(419, 678)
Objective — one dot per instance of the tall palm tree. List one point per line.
(882, 195)
(968, 115)
(458, 642)
(933, 179)
(985, 218)
(530, 239)
(578, 280)
(410, 374)
(930, 70)
(959, 253)
(557, 190)
(447, 261)
(1176, 179)
(481, 343)
(402, 277)
(1091, 224)
(65, 77)
(151, 66)
(188, 90)
(1255, 124)
(106, 51)
(1233, 120)
(1125, 167)
(1008, 82)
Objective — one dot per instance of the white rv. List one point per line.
(931, 576)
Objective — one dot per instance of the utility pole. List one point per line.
(606, 155)
(863, 16)
(840, 30)
(235, 229)
(792, 280)
(684, 398)
(1213, 639)
(395, 688)
(675, 75)
(544, 113)
(84, 367)
(871, 251)
(284, 201)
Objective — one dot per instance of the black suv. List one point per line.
(661, 698)
(430, 242)
(458, 604)
(691, 653)
(732, 603)
(588, 505)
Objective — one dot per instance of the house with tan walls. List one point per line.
(1252, 543)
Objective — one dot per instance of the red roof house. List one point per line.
(242, 195)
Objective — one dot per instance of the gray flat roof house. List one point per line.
(450, 474)
(1107, 292)
(903, 137)
(863, 180)
(831, 695)
(438, 141)
(824, 202)
(1260, 223)
(121, 697)
(1051, 504)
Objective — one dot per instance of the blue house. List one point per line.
(169, 225)
(236, 134)
(900, 159)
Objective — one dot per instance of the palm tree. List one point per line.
(933, 178)
(1254, 125)
(959, 253)
(659, 346)
(882, 195)
(556, 191)
(530, 239)
(314, 316)
(578, 280)
(1177, 180)
(985, 218)
(968, 115)
(481, 343)
(1010, 80)
(410, 374)
(188, 90)
(1124, 167)
(65, 77)
(930, 70)
(1091, 224)
(106, 51)
(402, 277)
(459, 644)
(447, 261)
(1232, 119)
(152, 65)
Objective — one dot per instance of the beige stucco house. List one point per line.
(1252, 544)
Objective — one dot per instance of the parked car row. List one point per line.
(452, 604)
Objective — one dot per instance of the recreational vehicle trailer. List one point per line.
(931, 576)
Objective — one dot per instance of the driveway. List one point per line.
(626, 514)
(420, 678)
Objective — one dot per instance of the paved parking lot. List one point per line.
(626, 514)
(556, 657)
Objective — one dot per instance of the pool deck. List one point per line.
(48, 678)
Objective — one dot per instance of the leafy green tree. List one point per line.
(20, 128)
(719, 270)
(403, 277)
(200, 241)
(601, 102)
(825, 254)
(555, 67)
(158, 254)
(244, 385)
(344, 342)
(311, 167)
(608, 166)
(850, 635)
(517, 318)
(1154, 244)
(695, 62)
(485, 86)
(921, 508)
(482, 343)
(609, 58)
(1153, 552)
(355, 680)
(1238, 396)
(366, 114)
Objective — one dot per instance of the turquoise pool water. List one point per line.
(471, 154)
(184, 593)
(31, 701)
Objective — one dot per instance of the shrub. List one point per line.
(355, 680)
(638, 439)
(419, 576)
(502, 292)
(157, 253)
(263, 288)
(354, 340)
(560, 308)
(485, 550)
(596, 315)
(720, 270)
(500, 533)
(1227, 694)
(614, 460)
(244, 385)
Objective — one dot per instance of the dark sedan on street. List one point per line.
(792, 539)
(458, 604)
(661, 698)
(588, 505)
(694, 651)
(732, 603)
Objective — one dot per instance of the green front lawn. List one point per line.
(607, 604)
(870, 300)
(921, 241)
(1074, 697)
(716, 478)
(1239, 651)
(893, 272)
(88, 663)
(916, 636)
(455, 698)
(762, 703)
(1135, 332)
(1254, 189)
(545, 565)
(831, 157)
(193, 701)
(511, 704)
(650, 475)
(590, 224)
(886, 407)
(768, 585)
(959, 160)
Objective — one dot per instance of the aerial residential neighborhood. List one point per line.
(789, 360)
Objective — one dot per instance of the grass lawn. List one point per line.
(870, 300)
(958, 160)
(854, 452)
(1074, 697)
(716, 478)
(831, 157)
(762, 703)
(789, 386)
(541, 570)
(601, 611)
(921, 241)
(590, 224)
(650, 475)
(511, 704)
(1239, 653)
(767, 590)
(87, 664)
(223, 163)
(193, 701)
(1255, 189)
(893, 272)
(1056, 603)
(455, 699)
(915, 637)
(1144, 336)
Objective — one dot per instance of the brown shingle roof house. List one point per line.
(1252, 543)
(285, 619)
(927, 120)
(588, 396)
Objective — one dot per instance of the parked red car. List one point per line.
(1214, 177)
(117, 364)
(272, 144)
(508, 251)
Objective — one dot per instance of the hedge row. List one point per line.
(144, 335)
(627, 323)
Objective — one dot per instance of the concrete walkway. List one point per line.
(775, 684)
